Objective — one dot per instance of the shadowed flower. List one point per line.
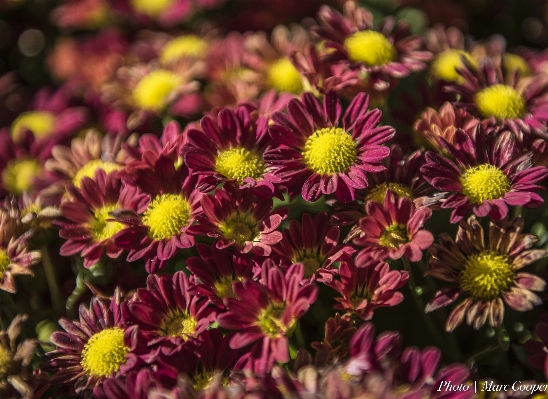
(487, 274)
(88, 226)
(15, 381)
(238, 218)
(539, 349)
(367, 286)
(90, 350)
(394, 229)
(491, 174)
(390, 52)
(264, 314)
(318, 153)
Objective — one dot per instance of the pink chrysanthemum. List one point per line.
(263, 313)
(394, 229)
(489, 175)
(487, 274)
(318, 153)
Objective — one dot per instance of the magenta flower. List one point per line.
(239, 218)
(539, 349)
(318, 154)
(487, 274)
(490, 174)
(394, 229)
(264, 313)
(367, 286)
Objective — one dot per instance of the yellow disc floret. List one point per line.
(18, 176)
(283, 76)
(240, 228)
(104, 352)
(378, 192)
(152, 93)
(370, 47)
(486, 275)
(311, 266)
(183, 46)
(445, 65)
(239, 163)
(101, 228)
(179, 324)
(152, 8)
(224, 288)
(40, 123)
(270, 320)
(500, 101)
(6, 363)
(166, 215)
(89, 169)
(329, 150)
(4, 262)
(394, 236)
(484, 182)
(514, 62)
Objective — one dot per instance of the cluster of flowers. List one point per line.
(204, 145)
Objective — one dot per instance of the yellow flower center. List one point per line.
(445, 64)
(239, 228)
(487, 275)
(224, 288)
(152, 92)
(4, 262)
(18, 176)
(484, 182)
(183, 46)
(378, 192)
(514, 62)
(101, 228)
(40, 123)
(202, 381)
(500, 101)
(311, 266)
(6, 363)
(270, 322)
(394, 236)
(370, 47)
(283, 76)
(165, 216)
(239, 163)
(329, 150)
(104, 352)
(180, 324)
(89, 169)
(152, 8)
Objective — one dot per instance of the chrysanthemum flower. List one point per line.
(394, 229)
(90, 350)
(366, 287)
(87, 225)
(389, 52)
(518, 104)
(338, 332)
(157, 233)
(313, 243)
(264, 313)
(239, 218)
(15, 381)
(229, 150)
(217, 269)
(490, 174)
(82, 14)
(443, 124)
(167, 314)
(15, 256)
(317, 154)
(539, 349)
(485, 273)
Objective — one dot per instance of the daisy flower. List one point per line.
(394, 229)
(489, 175)
(538, 358)
(486, 274)
(318, 153)
(90, 350)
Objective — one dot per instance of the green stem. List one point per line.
(407, 267)
(76, 294)
(51, 279)
(517, 211)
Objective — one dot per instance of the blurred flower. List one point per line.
(394, 229)
(539, 349)
(338, 332)
(486, 273)
(78, 14)
(315, 156)
(491, 174)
